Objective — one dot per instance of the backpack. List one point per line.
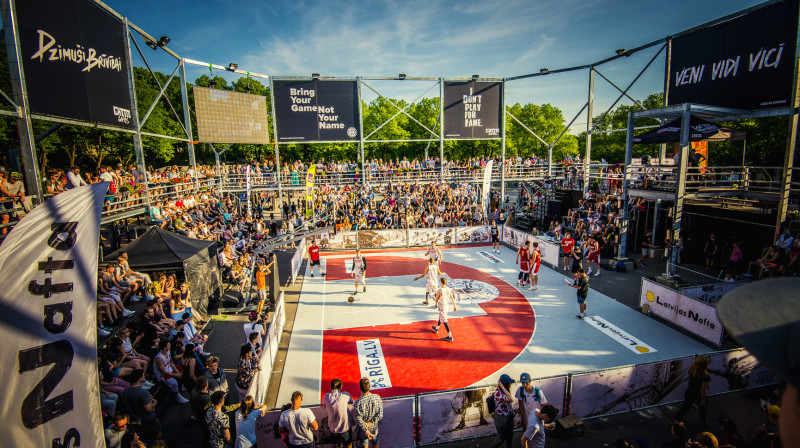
(620, 267)
(491, 406)
(112, 188)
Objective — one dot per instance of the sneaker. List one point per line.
(597, 274)
(365, 289)
(106, 328)
(356, 292)
(148, 384)
(435, 328)
(531, 288)
(323, 274)
(179, 398)
(579, 316)
(312, 274)
(517, 282)
(425, 302)
(590, 272)
(102, 333)
(449, 339)
(126, 313)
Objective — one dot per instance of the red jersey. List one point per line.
(313, 252)
(567, 244)
(524, 259)
(537, 258)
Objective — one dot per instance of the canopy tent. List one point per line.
(158, 249)
(701, 130)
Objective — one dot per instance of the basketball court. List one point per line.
(385, 334)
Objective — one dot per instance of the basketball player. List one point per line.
(594, 256)
(495, 236)
(431, 274)
(435, 253)
(442, 296)
(567, 243)
(313, 255)
(524, 262)
(359, 270)
(536, 262)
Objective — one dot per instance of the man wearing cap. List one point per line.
(503, 413)
(15, 189)
(530, 398)
(255, 325)
(765, 318)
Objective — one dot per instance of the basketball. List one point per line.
(350, 299)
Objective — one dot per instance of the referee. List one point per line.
(581, 283)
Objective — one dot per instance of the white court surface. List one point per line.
(498, 328)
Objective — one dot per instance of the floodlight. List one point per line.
(315, 76)
(232, 67)
(163, 41)
(151, 44)
(475, 77)
(543, 70)
(402, 76)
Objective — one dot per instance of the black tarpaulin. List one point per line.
(158, 250)
(700, 130)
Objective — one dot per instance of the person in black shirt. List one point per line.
(495, 237)
(582, 285)
(698, 388)
(577, 259)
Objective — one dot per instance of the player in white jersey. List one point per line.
(442, 296)
(435, 253)
(359, 270)
(431, 274)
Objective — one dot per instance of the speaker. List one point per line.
(554, 208)
(570, 426)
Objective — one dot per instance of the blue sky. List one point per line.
(429, 38)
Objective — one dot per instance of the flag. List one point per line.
(310, 190)
(49, 326)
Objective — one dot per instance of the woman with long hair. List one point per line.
(698, 388)
(248, 366)
(246, 422)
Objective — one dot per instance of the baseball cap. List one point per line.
(764, 318)
(253, 315)
(525, 378)
(505, 379)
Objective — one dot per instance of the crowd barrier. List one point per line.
(446, 416)
(384, 238)
(691, 314)
(297, 258)
(260, 385)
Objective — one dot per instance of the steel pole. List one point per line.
(441, 129)
(20, 95)
(503, 124)
(187, 123)
(138, 147)
(361, 134)
(587, 159)
(277, 150)
(680, 187)
(623, 231)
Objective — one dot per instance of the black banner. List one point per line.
(73, 55)
(746, 63)
(316, 110)
(472, 109)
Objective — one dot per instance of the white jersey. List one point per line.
(359, 266)
(434, 253)
(431, 279)
(444, 302)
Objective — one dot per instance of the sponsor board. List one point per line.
(373, 364)
(491, 257)
(549, 250)
(632, 343)
(685, 312)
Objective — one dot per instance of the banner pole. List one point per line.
(441, 129)
(20, 95)
(277, 151)
(503, 125)
(138, 149)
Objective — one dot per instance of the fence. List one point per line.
(445, 416)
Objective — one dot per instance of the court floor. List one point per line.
(385, 334)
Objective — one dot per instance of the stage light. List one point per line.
(543, 70)
(152, 44)
(402, 76)
(621, 52)
(475, 77)
(163, 41)
(315, 76)
(232, 67)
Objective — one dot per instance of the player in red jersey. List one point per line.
(536, 263)
(524, 262)
(567, 243)
(594, 256)
(313, 255)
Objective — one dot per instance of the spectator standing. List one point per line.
(647, 246)
(529, 397)
(537, 421)
(217, 422)
(369, 413)
(710, 249)
(680, 435)
(216, 376)
(698, 388)
(298, 422)
(335, 403)
(503, 413)
(246, 422)
(248, 366)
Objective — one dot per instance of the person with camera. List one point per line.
(257, 324)
(581, 283)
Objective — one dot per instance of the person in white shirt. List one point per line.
(534, 433)
(529, 398)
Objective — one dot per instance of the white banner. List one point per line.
(382, 238)
(697, 317)
(297, 259)
(515, 237)
(549, 250)
(260, 384)
(49, 324)
(474, 234)
(487, 185)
